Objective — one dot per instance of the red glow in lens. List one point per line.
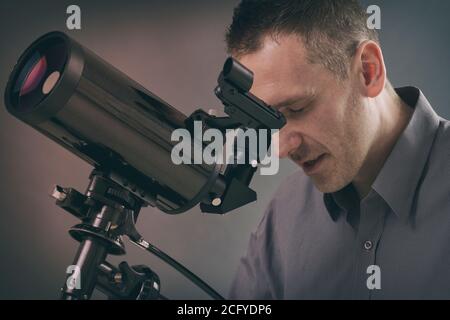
(34, 77)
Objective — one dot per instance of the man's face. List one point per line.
(328, 129)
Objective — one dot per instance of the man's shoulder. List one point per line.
(444, 129)
(440, 153)
(445, 125)
(435, 181)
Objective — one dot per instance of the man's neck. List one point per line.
(393, 115)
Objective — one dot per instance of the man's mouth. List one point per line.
(312, 166)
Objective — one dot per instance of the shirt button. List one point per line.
(368, 245)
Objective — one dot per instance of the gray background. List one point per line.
(175, 49)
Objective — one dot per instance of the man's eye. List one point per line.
(301, 109)
(296, 110)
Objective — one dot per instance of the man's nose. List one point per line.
(286, 141)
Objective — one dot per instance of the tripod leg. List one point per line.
(91, 253)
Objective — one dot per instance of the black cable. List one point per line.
(179, 267)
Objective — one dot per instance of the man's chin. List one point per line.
(326, 180)
(327, 185)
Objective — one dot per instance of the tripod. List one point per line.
(108, 212)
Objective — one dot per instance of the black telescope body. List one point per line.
(74, 97)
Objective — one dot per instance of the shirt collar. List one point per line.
(402, 172)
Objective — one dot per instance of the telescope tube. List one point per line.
(71, 95)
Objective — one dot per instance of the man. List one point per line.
(368, 216)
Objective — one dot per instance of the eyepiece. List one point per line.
(237, 74)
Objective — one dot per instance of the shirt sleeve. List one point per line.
(252, 280)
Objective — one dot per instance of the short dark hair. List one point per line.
(330, 29)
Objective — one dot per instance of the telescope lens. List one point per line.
(34, 77)
(39, 74)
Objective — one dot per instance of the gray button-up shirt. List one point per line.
(396, 241)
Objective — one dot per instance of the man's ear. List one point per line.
(368, 65)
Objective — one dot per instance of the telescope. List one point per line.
(84, 104)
